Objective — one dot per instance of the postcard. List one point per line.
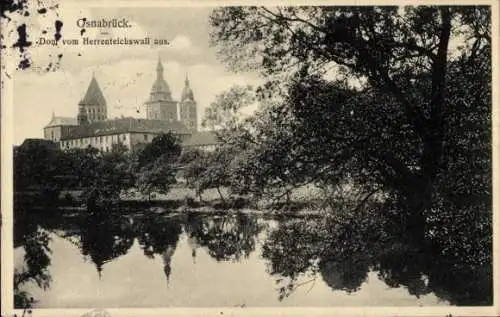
(206, 158)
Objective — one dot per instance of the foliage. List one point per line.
(39, 167)
(103, 176)
(157, 177)
(213, 170)
(223, 113)
(194, 169)
(166, 147)
(188, 155)
(157, 164)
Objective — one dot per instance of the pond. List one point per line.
(145, 259)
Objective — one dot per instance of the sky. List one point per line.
(124, 73)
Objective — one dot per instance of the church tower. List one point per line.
(187, 107)
(92, 107)
(160, 105)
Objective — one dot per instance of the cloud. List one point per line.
(181, 43)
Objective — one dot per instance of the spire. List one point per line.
(194, 245)
(167, 270)
(187, 93)
(159, 68)
(167, 260)
(53, 114)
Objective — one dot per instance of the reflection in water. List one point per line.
(228, 237)
(159, 235)
(343, 255)
(37, 258)
(105, 236)
(296, 251)
(343, 274)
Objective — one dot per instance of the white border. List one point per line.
(6, 198)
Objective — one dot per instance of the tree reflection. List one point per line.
(343, 274)
(104, 236)
(344, 252)
(227, 237)
(37, 257)
(159, 235)
(340, 249)
(403, 265)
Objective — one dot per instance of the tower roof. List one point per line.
(187, 93)
(160, 89)
(94, 95)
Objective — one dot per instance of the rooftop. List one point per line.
(59, 121)
(126, 125)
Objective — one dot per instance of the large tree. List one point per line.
(388, 113)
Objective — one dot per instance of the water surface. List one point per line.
(151, 260)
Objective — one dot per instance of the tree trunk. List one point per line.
(220, 194)
(417, 200)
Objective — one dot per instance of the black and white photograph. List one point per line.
(246, 156)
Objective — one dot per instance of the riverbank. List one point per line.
(302, 202)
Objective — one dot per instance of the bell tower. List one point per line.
(92, 107)
(160, 105)
(187, 106)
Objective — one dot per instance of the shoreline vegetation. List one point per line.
(304, 201)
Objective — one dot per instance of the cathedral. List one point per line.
(91, 127)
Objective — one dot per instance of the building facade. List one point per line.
(131, 132)
(92, 127)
